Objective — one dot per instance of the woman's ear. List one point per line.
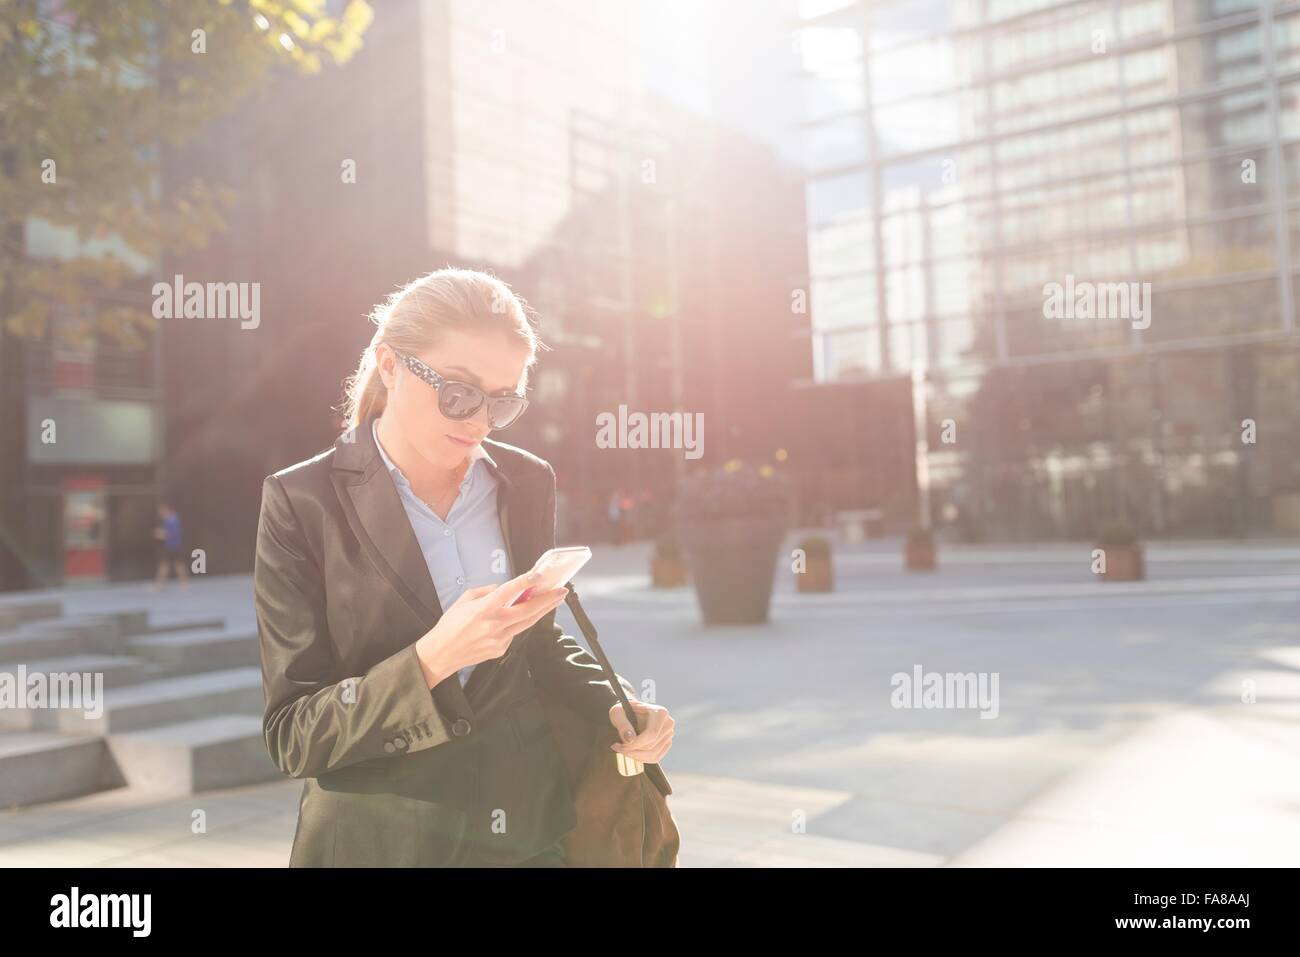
(386, 362)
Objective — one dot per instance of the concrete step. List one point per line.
(31, 642)
(103, 634)
(182, 624)
(117, 671)
(133, 621)
(45, 639)
(191, 756)
(195, 650)
(45, 766)
(13, 614)
(165, 701)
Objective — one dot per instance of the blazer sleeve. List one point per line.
(557, 660)
(316, 719)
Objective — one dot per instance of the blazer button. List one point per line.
(460, 728)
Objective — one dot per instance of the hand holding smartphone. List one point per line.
(473, 629)
(556, 566)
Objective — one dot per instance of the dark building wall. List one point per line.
(748, 344)
(242, 403)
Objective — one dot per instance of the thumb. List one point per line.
(626, 732)
(469, 594)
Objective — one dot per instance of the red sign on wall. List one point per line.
(85, 527)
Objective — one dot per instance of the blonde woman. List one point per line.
(426, 746)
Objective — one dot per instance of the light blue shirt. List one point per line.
(467, 550)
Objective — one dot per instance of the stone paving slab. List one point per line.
(1122, 737)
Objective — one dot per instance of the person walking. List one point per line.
(167, 533)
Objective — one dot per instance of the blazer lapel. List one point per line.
(378, 519)
(383, 517)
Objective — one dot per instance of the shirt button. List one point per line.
(460, 581)
(446, 531)
(460, 728)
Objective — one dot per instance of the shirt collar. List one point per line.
(477, 454)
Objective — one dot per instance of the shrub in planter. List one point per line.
(1122, 553)
(816, 575)
(667, 566)
(731, 522)
(919, 552)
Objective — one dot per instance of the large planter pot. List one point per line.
(1124, 563)
(816, 577)
(733, 564)
(667, 572)
(919, 556)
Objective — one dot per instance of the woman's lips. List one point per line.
(468, 443)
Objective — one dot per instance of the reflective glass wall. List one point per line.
(1073, 222)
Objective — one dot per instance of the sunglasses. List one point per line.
(460, 400)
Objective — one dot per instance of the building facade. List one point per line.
(1068, 224)
(79, 472)
(80, 451)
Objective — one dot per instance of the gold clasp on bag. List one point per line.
(628, 767)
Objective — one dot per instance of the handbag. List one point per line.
(622, 805)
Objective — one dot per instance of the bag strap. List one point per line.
(652, 771)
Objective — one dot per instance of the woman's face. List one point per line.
(494, 361)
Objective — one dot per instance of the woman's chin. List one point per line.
(447, 454)
(455, 443)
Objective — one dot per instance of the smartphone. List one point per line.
(556, 566)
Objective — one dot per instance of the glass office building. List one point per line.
(1071, 223)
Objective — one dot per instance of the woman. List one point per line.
(401, 681)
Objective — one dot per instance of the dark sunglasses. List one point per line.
(460, 400)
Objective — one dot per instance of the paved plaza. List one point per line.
(1153, 723)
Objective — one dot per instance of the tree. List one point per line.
(90, 95)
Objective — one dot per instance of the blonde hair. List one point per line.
(413, 318)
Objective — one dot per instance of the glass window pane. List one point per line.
(848, 301)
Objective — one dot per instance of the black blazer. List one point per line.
(399, 774)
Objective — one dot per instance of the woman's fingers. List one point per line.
(626, 732)
(512, 625)
(656, 733)
(526, 613)
(645, 742)
(649, 752)
(478, 591)
(647, 755)
(508, 592)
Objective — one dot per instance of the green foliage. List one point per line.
(100, 88)
(735, 491)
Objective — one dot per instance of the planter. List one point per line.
(667, 573)
(919, 556)
(1286, 511)
(1124, 563)
(732, 565)
(816, 577)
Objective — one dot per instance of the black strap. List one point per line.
(652, 771)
